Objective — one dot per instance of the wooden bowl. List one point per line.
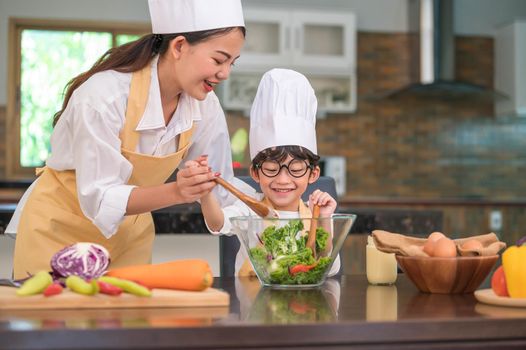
(457, 275)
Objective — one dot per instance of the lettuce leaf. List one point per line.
(285, 247)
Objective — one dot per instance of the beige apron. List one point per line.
(246, 269)
(52, 218)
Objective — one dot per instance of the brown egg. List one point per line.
(429, 246)
(435, 236)
(445, 248)
(471, 244)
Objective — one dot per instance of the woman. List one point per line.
(124, 127)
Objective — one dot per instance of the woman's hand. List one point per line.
(195, 180)
(325, 201)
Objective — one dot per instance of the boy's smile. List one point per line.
(284, 191)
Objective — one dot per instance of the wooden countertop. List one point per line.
(345, 313)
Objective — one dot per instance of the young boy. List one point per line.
(284, 160)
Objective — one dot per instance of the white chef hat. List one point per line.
(183, 16)
(283, 112)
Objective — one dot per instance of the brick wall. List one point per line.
(417, 146)
(474, 60)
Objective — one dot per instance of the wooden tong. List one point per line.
(258, 207)
(311, 238)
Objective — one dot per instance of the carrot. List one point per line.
(191, 274)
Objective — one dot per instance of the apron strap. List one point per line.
(185, 138)
(135, 108)
(303, 208)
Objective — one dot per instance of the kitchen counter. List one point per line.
(345, 313)
(185, 218)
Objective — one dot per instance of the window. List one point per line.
(44, 56)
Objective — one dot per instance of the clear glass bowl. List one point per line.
(277, 248)
(290, 306)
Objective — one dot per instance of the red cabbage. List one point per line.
(86, 260)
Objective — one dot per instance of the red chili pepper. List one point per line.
(301, 268)
(53, 289)
(110, 289)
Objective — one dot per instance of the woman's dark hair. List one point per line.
(280, 153)
(135, 55)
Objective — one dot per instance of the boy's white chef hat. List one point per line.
(283, 112)
(183, 16)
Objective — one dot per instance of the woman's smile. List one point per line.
(208, 87)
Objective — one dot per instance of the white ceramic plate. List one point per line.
(487, 296)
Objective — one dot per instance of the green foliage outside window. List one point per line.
(50, 59)
(125, 38)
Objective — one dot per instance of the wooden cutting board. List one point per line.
(71, 300)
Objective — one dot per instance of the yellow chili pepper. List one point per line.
(514, 264)
(127, 286)
(36, 284)
(78, 285)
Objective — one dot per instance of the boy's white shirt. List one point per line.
(238, 208)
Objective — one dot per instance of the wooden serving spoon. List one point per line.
(258, 207)
(311, 238)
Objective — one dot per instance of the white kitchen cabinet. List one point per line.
(335, 93)
(268, 39)
(319, 40)
(510, 70)
(324, 40)
(319, 44)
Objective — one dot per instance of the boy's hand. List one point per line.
(194, 180)
(325, 201)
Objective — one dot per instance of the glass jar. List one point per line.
(381, 268)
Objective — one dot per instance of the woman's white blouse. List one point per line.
(86, 139)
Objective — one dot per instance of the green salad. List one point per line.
(284, 257)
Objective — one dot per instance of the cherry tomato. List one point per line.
(301, 268)
(106, 288)
(498, 283)
(53, 289)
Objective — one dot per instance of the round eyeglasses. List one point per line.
(296, 167)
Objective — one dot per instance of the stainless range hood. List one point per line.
(437, 55)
